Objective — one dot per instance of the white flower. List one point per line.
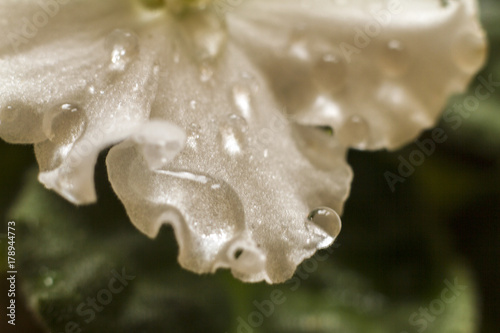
(234, 116)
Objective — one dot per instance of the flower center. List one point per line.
(177, 6)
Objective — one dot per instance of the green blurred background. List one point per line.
(396, 257)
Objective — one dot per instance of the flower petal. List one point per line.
(199, 102)
(377, 72)
(66, 88)
(240, 193)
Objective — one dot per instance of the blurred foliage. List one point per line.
(68, 254)
(392, 258)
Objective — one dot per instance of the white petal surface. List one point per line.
(219, 114)
(63, 90)
(246, 180)
(378, 72)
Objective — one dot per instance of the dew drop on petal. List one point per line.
(232, 133)
(330, 72)
(20, 123)
(468, 51)
(64, 123)
(298, 44)
(123, 46)
(206, 72)
(354, 132)
(8, 115)
(193, 135)
(193, 104)
(395, 59)
(159, 143)
(242, 99)
(205, 33)
(327, 222)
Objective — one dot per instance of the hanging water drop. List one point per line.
(395, 59)
(242, 99)
(330, 71)
(232, 134)
(354, 132)
(469, 51)
(123, 46)
(328, 224)
(64, 123)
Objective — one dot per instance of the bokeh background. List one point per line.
(398, 252)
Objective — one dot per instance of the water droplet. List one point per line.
(395, 59)
(8, 114)
(64, 123)
(193, 135)
(206, 72)
(157, 155)
(331, 72)
(176, 52)
(242, 99)
(20, 123)
(328, 222)
(469, 51)
(298, 44)
(354, 132)
(232, 134)
(205, 33)
(192, 104)
(159, 143)
(123, 47)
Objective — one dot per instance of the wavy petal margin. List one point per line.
(377, 72)
(234, 121)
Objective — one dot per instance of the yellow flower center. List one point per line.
(177, 6)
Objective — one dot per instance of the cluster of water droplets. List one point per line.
(333, 74)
